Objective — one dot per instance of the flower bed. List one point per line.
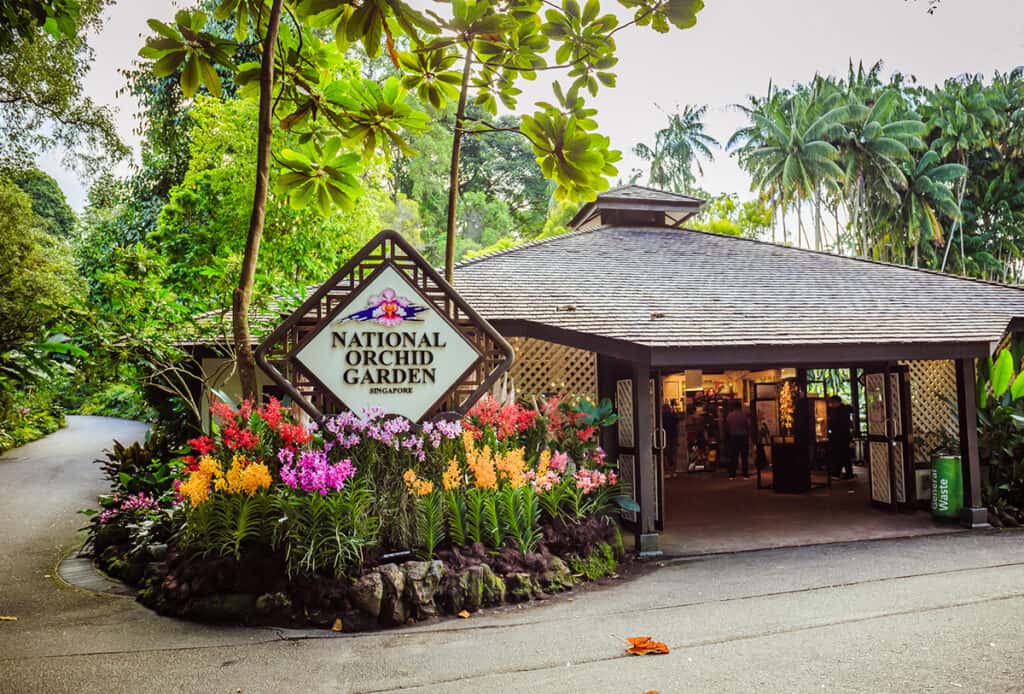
(367, 519)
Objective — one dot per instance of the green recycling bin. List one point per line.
(947, 486)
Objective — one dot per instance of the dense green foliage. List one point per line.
(38, 287)
(925, 176)
(42, 69)
(1001, 426)
(48, 201)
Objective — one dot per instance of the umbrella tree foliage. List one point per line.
(342, 124)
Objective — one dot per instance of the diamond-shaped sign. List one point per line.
(385, 331)
(388, 347)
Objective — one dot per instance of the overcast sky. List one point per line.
(735, 49)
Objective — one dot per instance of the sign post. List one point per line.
(385, 331)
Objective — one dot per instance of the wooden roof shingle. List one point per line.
(662, 287)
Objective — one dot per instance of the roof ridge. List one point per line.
(528, 244)
(830, 254)
(653, 190)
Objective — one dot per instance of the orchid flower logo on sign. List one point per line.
(387, 308)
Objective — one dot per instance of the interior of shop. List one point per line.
(776, 457)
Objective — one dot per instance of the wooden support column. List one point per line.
(643, 428)
(855, 402)
(974, 515)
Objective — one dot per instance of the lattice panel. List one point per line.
(879, 461)
(932, 403)
(627, 471)
(624, 408)
(546, 368)
(387, 248)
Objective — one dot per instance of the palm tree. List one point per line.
(789, 152)
(877, 137)
(960, 113)
(677, 148)
(927, 197)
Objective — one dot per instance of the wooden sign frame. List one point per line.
(276, 354)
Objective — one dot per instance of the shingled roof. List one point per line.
(661, 287)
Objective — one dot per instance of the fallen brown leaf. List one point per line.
(337, 625)
(464, 614)
(645, 645)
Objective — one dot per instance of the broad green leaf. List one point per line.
(1017, 388)
(1002, 373)
(190, 77)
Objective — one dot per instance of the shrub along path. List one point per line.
(938, 613)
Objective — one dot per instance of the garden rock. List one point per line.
(494, 588)
(521, 587)
(157, 551)
(558, 577)
(392, 611)
(422, 580)
(368, 594)
(453, 592)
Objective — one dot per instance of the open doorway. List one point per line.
(805, 474)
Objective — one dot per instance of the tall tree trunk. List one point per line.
(817, 217)
(453, 172)
(860, 217)
(785, 234)
(835, 215)
(801, 238)
(242, 297)
(957, 223)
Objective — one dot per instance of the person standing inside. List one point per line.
(737, 429)
(840, 423)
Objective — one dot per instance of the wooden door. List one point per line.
(889, 456)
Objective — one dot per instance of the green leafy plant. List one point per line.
(430, 515)
(455, 515)
(1001, 426)
(475, 515)
(520, 517)
(493, 532)
(326, 533)
(230, 524)
(146, 466)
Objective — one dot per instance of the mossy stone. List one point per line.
(392, 611)
(558, 577)
(521, 587)
(494, 589)
(422, 580)
(368, 594)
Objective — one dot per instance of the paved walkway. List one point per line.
(943, 613)
(707, 513)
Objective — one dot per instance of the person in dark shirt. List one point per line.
(737, 429)
(839, 434)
